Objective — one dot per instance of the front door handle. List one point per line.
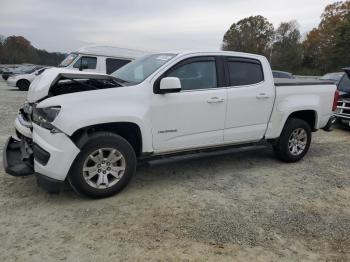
(262, 96)
(215, 100)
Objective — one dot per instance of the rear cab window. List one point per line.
(244, 71)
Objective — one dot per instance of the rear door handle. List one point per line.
(262, 96)
(215, 100)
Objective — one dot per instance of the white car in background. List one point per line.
(100, 59)
(23, 81)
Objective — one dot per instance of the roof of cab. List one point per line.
(215, 52)
(111, 51)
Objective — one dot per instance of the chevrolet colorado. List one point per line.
(92, 129)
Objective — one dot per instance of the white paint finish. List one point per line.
(22, 129)
(111, 51)
(13, 80)
(188, 119)
(176, 121)
(290, 99)
(42, 83)
(123, 104)
(102, 53)
(62, 153)
(249, 109)
(170, 83)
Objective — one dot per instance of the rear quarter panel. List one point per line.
(290, 99)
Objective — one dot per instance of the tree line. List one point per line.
(324, 49)
(17, 50)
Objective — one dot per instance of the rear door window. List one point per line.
(244, 71)
(113, 64)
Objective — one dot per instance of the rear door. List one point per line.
(250, 100)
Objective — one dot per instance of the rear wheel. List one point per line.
(23, 85)
(294, 141)
(104, 166)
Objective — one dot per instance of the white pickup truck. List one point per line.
(92, 129)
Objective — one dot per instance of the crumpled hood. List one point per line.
(41, 85)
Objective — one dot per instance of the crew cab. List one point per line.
(92, 129)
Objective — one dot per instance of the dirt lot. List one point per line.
(243, 206)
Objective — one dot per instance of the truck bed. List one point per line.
(299, 82)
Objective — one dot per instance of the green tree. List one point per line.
(287, 53)
(326, 47)
(46, 58)
(17, 49)
(253, 35)
(2, 39)
(341, 55)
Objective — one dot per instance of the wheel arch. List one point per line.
(309, 116)
(280, 118)
(128, 130)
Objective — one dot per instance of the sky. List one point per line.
(157, 25)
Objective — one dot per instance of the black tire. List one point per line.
(281, 147)
(23, 85)
(95, 142)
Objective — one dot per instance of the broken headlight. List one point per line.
(45, 116)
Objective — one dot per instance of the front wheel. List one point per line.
(104, 166)
(294, 141)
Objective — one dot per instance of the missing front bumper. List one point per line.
(17, 158)
(18, 161)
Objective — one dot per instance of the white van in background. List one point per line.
(100, 59)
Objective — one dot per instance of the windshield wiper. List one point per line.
(119, 80)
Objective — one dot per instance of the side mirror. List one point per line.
(170, 85)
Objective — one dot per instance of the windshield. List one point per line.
(68, 60)
(344, 84)
(25, 70)
(333, 76)
(138, 70)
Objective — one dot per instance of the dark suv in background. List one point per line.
(282, 74)
(343, 109)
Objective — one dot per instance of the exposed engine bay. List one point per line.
(71, 85)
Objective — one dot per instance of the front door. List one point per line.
(195, 116)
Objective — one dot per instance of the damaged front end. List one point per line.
(39, 147)
(18, 155)
(18, 158)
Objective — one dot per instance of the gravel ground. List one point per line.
(242, 206)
